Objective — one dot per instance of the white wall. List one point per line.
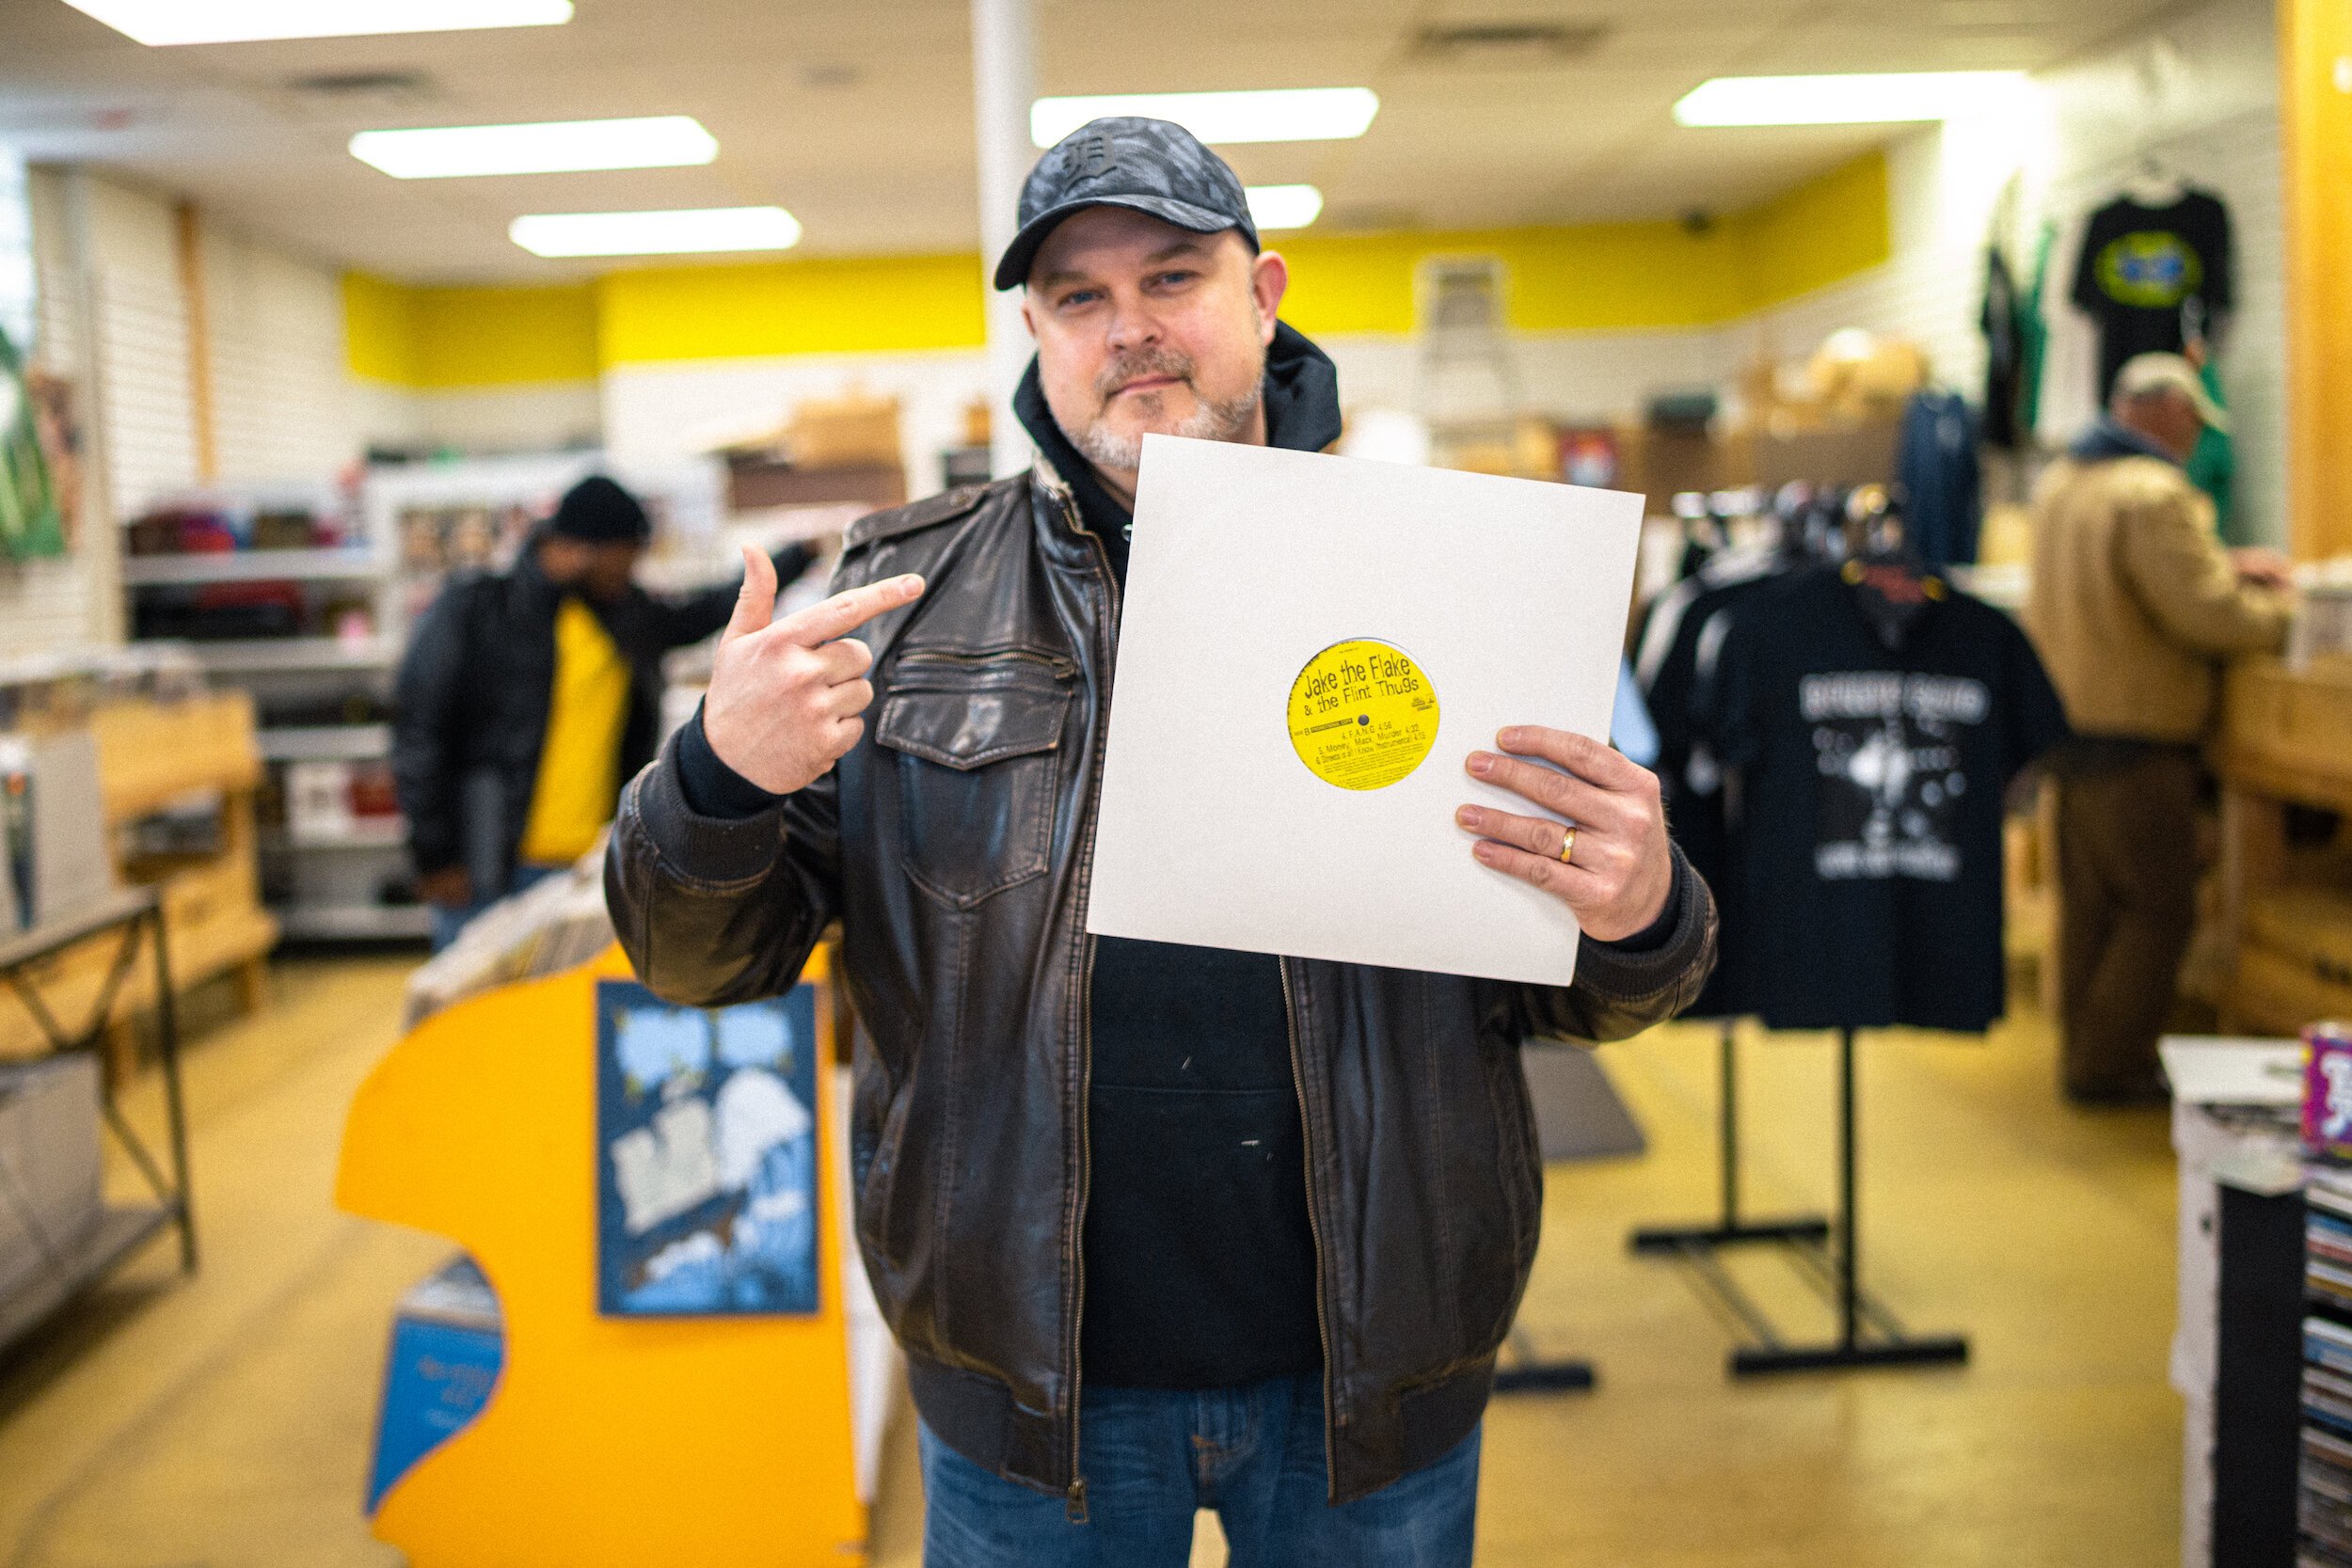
(284, 407)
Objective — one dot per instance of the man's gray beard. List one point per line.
(1210, 422)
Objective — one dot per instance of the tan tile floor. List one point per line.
(225, 1422)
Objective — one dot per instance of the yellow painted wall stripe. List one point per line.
(876, 305)
(1588, 277)
(443, 338)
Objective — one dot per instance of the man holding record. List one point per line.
(1160, 1227)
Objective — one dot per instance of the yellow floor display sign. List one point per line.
(612, 1441)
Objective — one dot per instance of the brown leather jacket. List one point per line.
(954, 845)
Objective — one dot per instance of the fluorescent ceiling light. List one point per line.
(661, 141)
(1855, 100)
(161, 22)
(671, 234)
(1283, 206)
(1281, 114)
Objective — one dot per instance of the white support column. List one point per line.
(1004, 83)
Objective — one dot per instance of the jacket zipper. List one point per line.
(1074, 1500)
(1314, 1230)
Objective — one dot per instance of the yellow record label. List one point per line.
(1362, 715)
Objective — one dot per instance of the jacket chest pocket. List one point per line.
(974, 739)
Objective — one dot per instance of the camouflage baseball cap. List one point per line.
(1152, 166)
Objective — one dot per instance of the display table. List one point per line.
(611, 1441)
(2238, 1350)
(2285, 904)
(118, 926)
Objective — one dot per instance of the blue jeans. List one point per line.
(1152, 1456)
(448, 921)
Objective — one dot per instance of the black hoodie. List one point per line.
(1200, 1258)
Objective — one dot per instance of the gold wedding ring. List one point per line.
(1568, 848)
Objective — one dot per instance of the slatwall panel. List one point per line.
(58, 337)
(283, 407)
(142, 346)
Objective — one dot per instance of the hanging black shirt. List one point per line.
(1680, 646)
(1868, 843)
(2004, 351)
(2150, 275)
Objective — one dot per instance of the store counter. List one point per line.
(2284, 758)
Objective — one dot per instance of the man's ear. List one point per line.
(1028, 318)
(1269, 280)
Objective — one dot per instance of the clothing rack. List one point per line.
(1869, 1335)
(1729, 1229)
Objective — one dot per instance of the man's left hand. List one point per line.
(1620, 871)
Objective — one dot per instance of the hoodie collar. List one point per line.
(1303, 414)
(2106, 440)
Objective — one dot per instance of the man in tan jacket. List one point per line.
(2135, 604)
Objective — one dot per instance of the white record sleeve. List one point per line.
(1276, 778)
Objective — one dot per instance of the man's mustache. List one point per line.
(1136, 367)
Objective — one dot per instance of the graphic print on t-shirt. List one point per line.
(2149, 269)
(1888, 749)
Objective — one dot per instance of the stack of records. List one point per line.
(2324, 1513)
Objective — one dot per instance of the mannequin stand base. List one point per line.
(1935, 1350)
(1679, 1238)
(1522, 1372)
(1547, 1377)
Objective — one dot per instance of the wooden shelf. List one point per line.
(2287, 733)
(150, 755)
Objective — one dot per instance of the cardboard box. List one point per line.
(49, 1165)
(1660, 463)
(1849, 455)
(856, 431)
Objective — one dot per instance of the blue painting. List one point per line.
(706, 1196)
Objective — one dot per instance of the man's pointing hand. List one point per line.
(786, 696)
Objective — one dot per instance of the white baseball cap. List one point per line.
(2145, 374)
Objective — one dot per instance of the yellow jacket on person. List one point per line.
(2135, 603)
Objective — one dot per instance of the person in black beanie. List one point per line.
(526, 697)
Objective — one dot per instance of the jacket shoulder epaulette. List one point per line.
(931, 510)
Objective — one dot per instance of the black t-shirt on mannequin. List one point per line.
(2152, 276)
